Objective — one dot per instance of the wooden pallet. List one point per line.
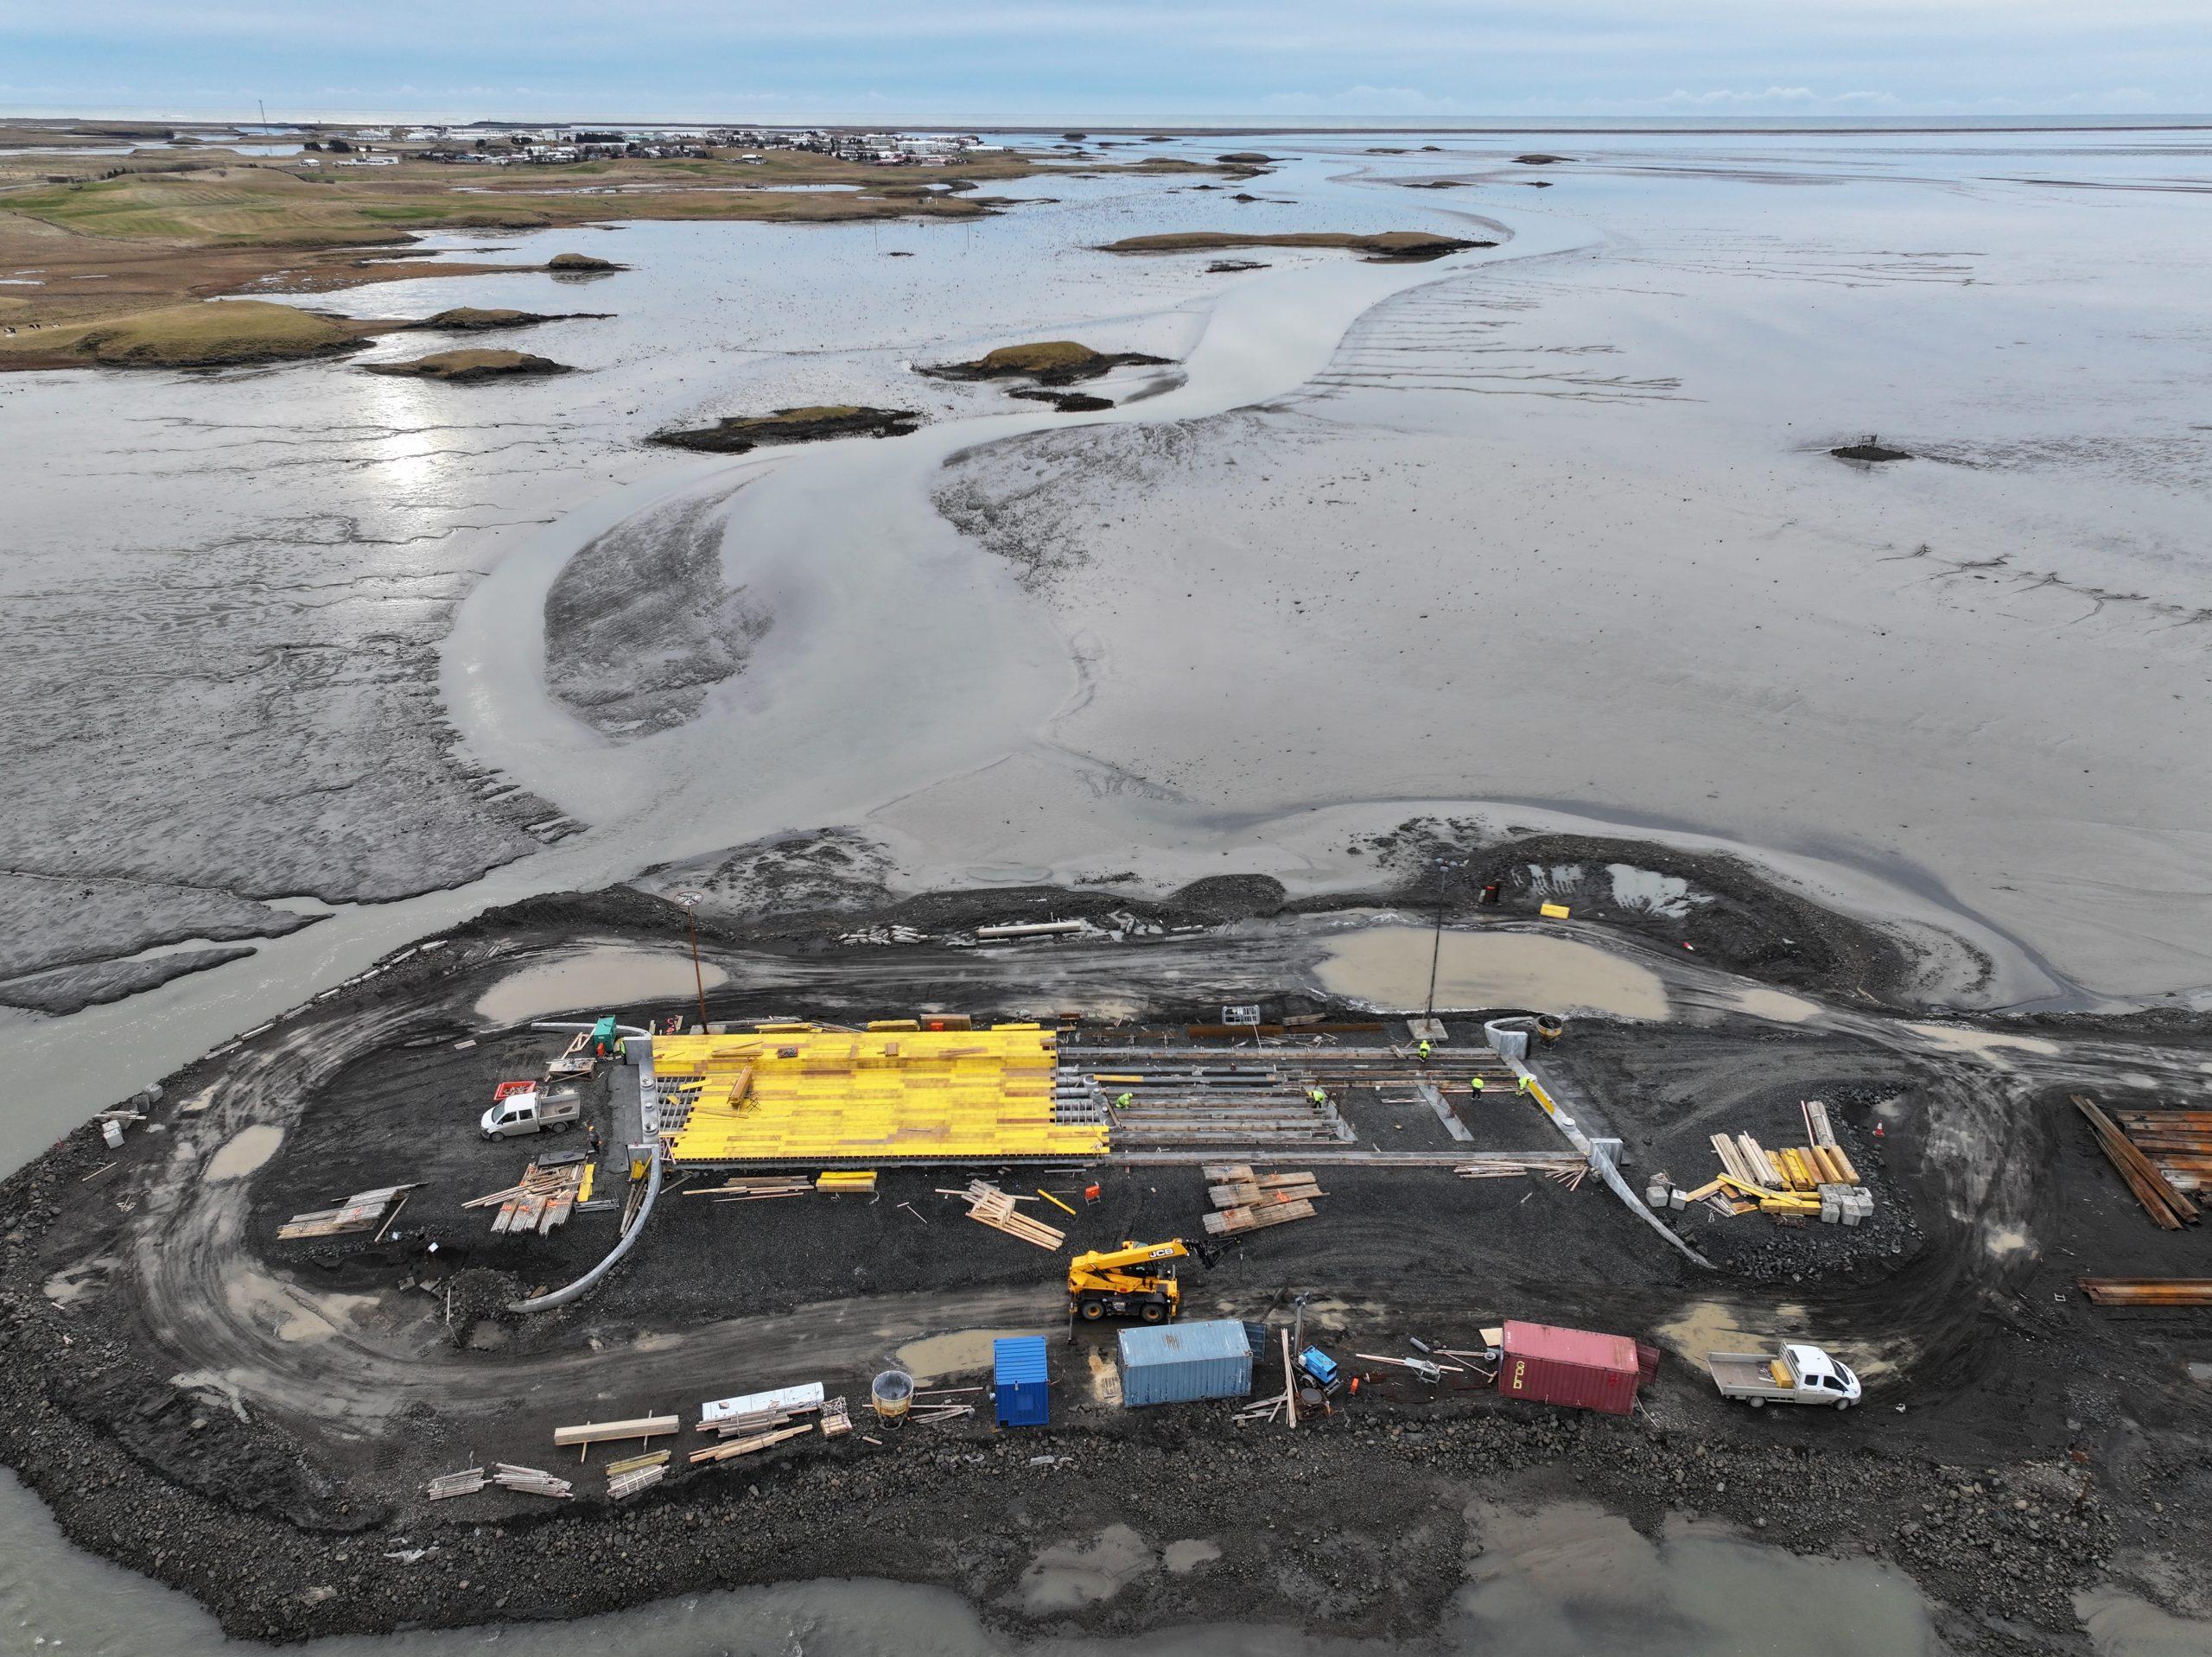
(357, 1213)
(989, 1205)
(1230, 1222)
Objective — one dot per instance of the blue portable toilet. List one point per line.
(1017, 1381)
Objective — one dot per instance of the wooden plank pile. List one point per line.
(2148, 1290)
(542, 1199)
(467, 1483)
(756, 1188)
(2159, 1196)
(941, 1403)
(836, 1420)
(989, 1205)
(531, 1480)
(749, 1444)
(849, 1181)
(1567, 1167)
(357, 1213)
(640, 1473)
(641, 1428)
(1266, 1409)
(1246, 1201)
(2178, 1143)
(1789, 1185)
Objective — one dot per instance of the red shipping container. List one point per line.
(1575, 1367)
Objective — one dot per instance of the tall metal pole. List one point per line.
(1436, 947)
(698, 977)
(689, 902)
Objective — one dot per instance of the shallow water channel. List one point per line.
(1559, 1582)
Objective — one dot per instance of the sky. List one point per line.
(1288, 62)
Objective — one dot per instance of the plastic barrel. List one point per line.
(890, 1393)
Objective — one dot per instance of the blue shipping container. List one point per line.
(1017, 1381)
(1180, 1363)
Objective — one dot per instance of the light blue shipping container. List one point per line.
(1180, 1363)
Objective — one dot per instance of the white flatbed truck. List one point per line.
(528, 1111)
(1791, 1374)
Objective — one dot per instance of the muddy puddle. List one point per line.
(244, 1151)
(1568, 1580)
(1703, 1327)
(1981, 1044)
(966, 1352)
(592, 980)
(1389, 966)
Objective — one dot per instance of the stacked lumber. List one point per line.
(1821, 1134)
(756, 1188)
(848, 1179)
(620, 1487)
(467, 1483)
(637, 1464)
(989, 1205)
(750, 1422)
(1567, 1167)
(531, 1480)
(357, 1213)
(747, 1446)
(599, 1432)
(2166, 1206)
(2178, 1144)
(2148, 1290)
(542, 1199)
(1250, 1188)
(1249, 1202)
(1787, 1183)
(836, 1420)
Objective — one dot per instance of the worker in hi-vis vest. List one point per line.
(1122, 1100)
(1524, 1083)
(1475, 1086)
(1421, 1052)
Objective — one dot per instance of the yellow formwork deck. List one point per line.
(784, 1095)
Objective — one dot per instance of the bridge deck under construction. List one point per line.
(804, 1095)
(795, 1095)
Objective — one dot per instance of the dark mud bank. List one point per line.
(739, 434)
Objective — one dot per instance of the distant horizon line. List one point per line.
(232, 120)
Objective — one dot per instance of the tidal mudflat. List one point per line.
(1570, 549)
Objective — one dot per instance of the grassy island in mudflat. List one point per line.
(90, 237)
(467, 367)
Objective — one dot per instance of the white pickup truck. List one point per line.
(1789, 1375)
(530, 1111)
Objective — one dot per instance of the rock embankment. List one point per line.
(737, 433)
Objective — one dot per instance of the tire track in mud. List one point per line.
(263, 1337)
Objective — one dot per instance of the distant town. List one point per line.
(560, 146)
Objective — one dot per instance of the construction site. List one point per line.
(481, 1318)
